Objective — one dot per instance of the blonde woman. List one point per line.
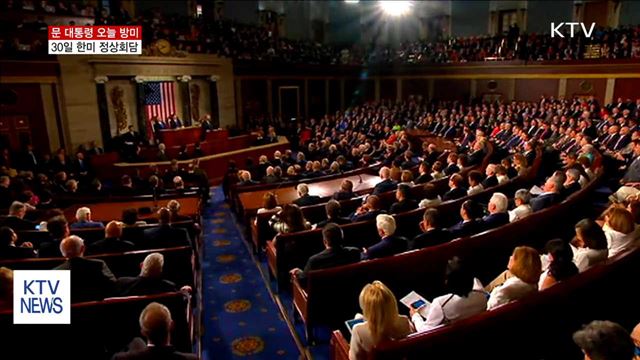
(620, 230)
(520, 280)
(380, 310)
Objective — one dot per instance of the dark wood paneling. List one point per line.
(254, 98)
(277, 84)
(531, 89)
(334, 95)
(416, 87)
(29, 68)
(388, 89)
(627, 88)
(451, 89)
(587, 87)
(316, 98)
(28, 104)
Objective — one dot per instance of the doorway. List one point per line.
(289, 102)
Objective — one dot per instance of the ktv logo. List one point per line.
(555, 29)
(41, 297)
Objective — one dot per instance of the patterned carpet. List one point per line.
(240, 317)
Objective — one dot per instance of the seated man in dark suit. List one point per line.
(333, 215)
(165, 235)
(8, 248)
(368, 211)
(155, 326)
(386, 184)
(404, 203)
(469, 212)
(245, 178)
(492, 179)
(149, 281)
(572, 184)
(432, 233)
(91, 279)
(452, 164)
(333, 255)
(457, 190)
(389, 243)
(424, 171)
(551, 194)
(270, 176)
(498, 215)
(345, 192)
(58, 228)
(112, 242)
(304, 198)
(16, 220)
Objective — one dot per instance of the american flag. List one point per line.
(159, 99)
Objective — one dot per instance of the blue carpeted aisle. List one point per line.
(240, 318)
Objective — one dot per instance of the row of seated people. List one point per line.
(434, 234)
(526, 273)
(155, 320)
(92, 279)
(47, 189)
(118, 236)
(290, 218)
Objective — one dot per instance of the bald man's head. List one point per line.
(72, 246)
(156, 324)
(113, 229)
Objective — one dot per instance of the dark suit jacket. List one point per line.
(343, 195)
(388, 246)
(139, 285)
(543, 201)
(432, 237)
(15, 252)
(134, 234)
(463, 229)
(143, 352)
(475, 158)
(494, 220)
(165, 236)
(369, 215)
(110, 245)
(491, 181)
(403, 206)
(17, 224)
(307, 200)
(451, 169)
(424, 178)
(50, 249)
(567, 191)
(86, 225)
(329, 258)
(633, 172)
(454, 194)
(384, 186)
(91, 279)
(337, 221)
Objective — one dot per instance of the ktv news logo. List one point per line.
(555, 29)
(41, 297)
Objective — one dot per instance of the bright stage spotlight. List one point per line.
(395, 8)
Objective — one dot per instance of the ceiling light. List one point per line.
(395, 8)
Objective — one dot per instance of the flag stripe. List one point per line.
(159, 102)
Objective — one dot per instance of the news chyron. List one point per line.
(95, 40)
(42, 297)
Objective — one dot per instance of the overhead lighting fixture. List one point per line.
(395, 8)
(351, 1)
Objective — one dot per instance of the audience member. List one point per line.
(83, 217)
(498, 215)
(332, 209)
(149, 281)
(522, 209)
(560, 263)
(369, 210)
(389, 244)
(604, 340)
(519, 281)
(290, 219)
(469, 225)
(91, 278)
(590, 244)
(304, 199)
(58, 229)
(620, 230)
(466, 298)
(15, 219)
(432, 234)
(382, 321)
(165, 235)
(8, 248)
(112, 242)
(404, 202)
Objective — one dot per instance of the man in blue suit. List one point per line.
(389, 244)
(165, 235)
(386, 184)
(550, 196)
(498, 215)
(469, 212)
(83, 217)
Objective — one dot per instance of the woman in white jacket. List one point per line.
(620, 230)
(522, 278)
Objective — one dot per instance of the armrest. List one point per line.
(339, 346)
(300, 298)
